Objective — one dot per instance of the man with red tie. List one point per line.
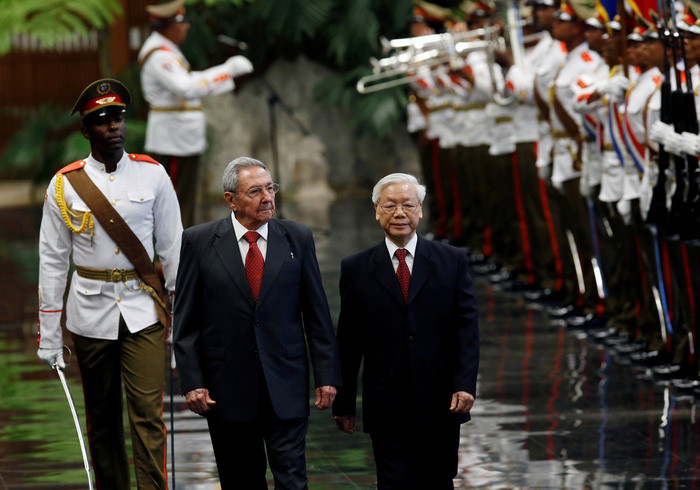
(408, 309)
(250, 299)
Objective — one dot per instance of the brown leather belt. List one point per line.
(107, 275)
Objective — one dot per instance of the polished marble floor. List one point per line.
(553, 409)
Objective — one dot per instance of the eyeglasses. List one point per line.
(408, 208)
(257, 191)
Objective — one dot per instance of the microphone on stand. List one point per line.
(234, 43)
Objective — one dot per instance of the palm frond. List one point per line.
(51, 21)
(355, 35)
(374, 114)
(291, 20)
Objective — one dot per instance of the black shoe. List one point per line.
(627, 348)
(546, 297)
(616, 338)
(685, 385)
(648, 358)
(476, 258)
(536, 294)
(485, 268)
(602, 334)
(560, 311)
(578, 319)
(517, 286)
(665, 373)
(500, 276)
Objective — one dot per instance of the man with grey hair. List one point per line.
(250, 300)
(408, 308)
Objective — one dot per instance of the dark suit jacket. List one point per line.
(225, 342)
(416, 355)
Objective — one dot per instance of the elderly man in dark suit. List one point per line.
(408, 308)
(249, 300)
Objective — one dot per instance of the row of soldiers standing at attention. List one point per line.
(571, 174)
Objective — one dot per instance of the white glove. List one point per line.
(624, 207)
(658, 131)
(52, 357)
(613, 86)
(457, 62)
(238, 66)
(690, 143)
(545, 172)
(603, 87)
(673, 143)
(416, 120)
(585, 188)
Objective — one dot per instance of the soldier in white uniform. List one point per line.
(568, 145)
(648, 50)
(619, 259)
(523, 132)
(529, 82)
(117, 335)
(175, 134)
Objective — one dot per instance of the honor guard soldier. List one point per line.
(568, 148)
(112, 213)
(647, 52)
(606, 97)
(175, 134)
(529, 82)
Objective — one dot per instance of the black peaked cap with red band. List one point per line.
(102, 97)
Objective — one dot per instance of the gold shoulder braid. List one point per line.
(87, 221)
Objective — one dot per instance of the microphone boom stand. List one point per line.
(274, 100)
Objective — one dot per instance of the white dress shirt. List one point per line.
(410, 256)
(243, 244)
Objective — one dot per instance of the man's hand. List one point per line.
(421, 29)
(462, 402)
(345, 423)
(198, 401)
(325, 396)
(52, 357)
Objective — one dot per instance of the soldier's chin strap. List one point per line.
(78, 429)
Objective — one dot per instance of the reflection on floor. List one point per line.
(554, 409)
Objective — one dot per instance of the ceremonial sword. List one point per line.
(62, 377)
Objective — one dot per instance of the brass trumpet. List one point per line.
(398, 70)
(435, 40)
(414, 56)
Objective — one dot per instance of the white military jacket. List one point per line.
(638, 117)
(580, 61)
(550, 54)
(176, 123)
(143, 195)
(543, 58)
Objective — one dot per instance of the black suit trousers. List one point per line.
(239, 449)
(417, 458)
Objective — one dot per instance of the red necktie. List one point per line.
(402, 272)
(254, 263)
